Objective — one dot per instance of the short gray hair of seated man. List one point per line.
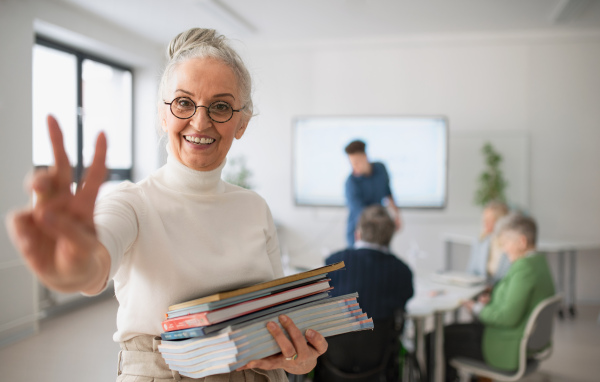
(375, 226)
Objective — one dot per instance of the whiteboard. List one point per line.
(414, 150)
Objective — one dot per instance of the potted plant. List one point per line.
(492, 184)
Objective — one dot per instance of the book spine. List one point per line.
(185, 322)
(181, 334)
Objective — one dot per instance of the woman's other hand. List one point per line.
(484, 298)
(297, 355)
(468, 305)
(56, 236)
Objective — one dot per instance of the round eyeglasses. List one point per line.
(218, 111)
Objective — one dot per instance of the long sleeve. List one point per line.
(510, 299)
(479, 257)
(116, 221)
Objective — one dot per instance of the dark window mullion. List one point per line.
(80, 111)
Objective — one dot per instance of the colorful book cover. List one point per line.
(246, 297)
(248, 318)
(312, 310)
(219, 315)
(258, 287)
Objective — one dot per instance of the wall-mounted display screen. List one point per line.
(413, 148)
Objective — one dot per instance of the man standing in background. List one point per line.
(368, 184)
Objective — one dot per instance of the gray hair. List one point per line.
(376, 226)
(205, 43)
(521, 224)
(498, 207)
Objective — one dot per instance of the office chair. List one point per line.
(536, 346)
(365, 356)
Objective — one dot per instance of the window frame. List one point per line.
(113, 174)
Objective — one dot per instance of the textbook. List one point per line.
(236, 310)
(222, 332)
(244, 350)
(235, 329)
(235, 346)
(279, 309)
(237, 299)
(258, 287)
(239, 338)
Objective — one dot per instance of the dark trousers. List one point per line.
(460, 340)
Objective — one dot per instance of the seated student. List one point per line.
(502, 317)
(384, 282)
(487, 258)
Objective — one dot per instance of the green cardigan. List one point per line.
(527, 282)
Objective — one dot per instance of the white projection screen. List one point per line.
(413, 148)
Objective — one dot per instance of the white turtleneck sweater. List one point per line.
(182, 234)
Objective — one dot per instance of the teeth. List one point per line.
(197, 140)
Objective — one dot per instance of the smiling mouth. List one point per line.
(199, 141)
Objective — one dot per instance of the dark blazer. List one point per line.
(384, 282)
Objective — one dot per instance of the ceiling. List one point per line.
(265, 21)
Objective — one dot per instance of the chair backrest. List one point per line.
(361, 356)
(538, 330)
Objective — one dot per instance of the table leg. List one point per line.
(561, 280)
(419, 323)
(439, 366)
(571, 292)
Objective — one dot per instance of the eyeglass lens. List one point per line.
(219, 111)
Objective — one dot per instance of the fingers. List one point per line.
(19, 225)
(317, 341)
(94, 177)
(41, 182)
(297, 356)
(268, 363)
(287, 347)
(27, 238)
(62, 167)
(56, 223)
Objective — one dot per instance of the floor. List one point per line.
(78, 346)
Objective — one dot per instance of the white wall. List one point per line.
(546, 87)
(19, 21)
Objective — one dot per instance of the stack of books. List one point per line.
(223, 332)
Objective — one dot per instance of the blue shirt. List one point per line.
(363, 191)
(480, 254)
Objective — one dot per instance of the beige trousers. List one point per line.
(140, 361)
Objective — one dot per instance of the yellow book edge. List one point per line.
(257, 287)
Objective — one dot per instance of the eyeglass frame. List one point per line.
(206, 107)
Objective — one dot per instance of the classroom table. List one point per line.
(433, 298)
(566, 251)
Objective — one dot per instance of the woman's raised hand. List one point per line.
(56, 236)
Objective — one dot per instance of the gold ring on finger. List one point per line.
(292, 357)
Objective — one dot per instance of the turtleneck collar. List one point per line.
(184, 179)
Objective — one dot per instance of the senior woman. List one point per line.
(180, 233)
(487, 258)
(496, 336)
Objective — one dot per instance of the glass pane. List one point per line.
(54, 92)
(107, 107)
